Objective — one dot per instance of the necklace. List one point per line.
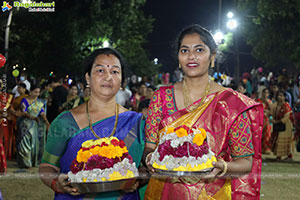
(187, 98)
(116, 120)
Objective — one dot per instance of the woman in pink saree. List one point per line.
(233, 123)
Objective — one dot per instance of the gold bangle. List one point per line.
(225, 168)
(146, 159)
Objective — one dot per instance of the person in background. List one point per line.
(233, 121)
(58, 97)
(123, 96)
(282, 140)
(267, 128)
(73, 99)
(31, 126)
(274, 91)
(86, 93)
(23, 79)
(138, 96)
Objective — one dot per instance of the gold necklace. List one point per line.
(187, 98)
(116, 120)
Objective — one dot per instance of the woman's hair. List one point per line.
(104, 51)
(22, 85)
(204, 34)
(265, 89)
(280, 92)
(73, 84)
(34, 86)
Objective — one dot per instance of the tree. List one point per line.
(272, 29)
(60, 41)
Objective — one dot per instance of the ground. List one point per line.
(280, 180)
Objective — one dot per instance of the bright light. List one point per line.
(105, 44)
(230, 15)
(14, 67)
(24, 69)
(218, 37)
(232, 24)
(67, 76)
(155, 61)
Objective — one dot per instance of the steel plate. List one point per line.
(183, 173)
(107, 186)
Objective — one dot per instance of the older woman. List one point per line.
(102, 114)
(232, 120)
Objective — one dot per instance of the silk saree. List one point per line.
(65, 139)
(234, 125)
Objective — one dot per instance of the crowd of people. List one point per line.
(261, 112)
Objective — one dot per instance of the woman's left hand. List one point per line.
(218, 169)
(133, 187)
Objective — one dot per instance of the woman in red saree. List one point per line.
(267, 128)
(233, 123)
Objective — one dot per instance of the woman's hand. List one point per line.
(133, 187)
(148, 164)
(218, 169)
(63, 184)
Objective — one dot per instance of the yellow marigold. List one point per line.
(83, 156)
(125, 150)
(170, 130)
(198, 139)
(95, 150)
(87, 143)
(99, 141)
(111, 151)
(181, 132)
(203, 132)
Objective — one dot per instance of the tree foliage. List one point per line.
(272, 29)
(60, 41)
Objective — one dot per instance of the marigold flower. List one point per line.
(87, 144)
(203, 132)
(181, 132)
(198, 139)
(170, 130)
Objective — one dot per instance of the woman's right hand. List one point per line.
(148, 164)
(64, 184)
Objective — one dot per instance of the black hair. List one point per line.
(89, 61)
(143, 104)
(22, 85)
(34, 86)
(204, 34)
(73, 84)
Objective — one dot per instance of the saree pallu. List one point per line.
(65, 139)
(217, 116)
(31, 135)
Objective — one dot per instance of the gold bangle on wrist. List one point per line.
(225, 168)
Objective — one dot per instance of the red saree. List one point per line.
(234, 123)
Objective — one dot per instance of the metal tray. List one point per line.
(169, 173)
(107, 186)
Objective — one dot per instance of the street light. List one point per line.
(218, 37)
(232, 24)
(155, 61)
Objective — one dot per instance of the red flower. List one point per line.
(98, 162)
(75, 166)
(122, 143)
(103, 144)
(115, 142)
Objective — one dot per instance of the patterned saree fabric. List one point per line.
(234, 125)
(65, 139)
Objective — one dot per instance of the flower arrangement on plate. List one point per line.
(102, 160)
(183, 149)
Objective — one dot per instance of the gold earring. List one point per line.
(212, 64)
(179, 66)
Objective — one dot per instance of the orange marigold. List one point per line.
(83, 156)
(203, 132)
(181, 132)
(170, 130)
(198, 139)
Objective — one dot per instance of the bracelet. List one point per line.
(53, 186)
(147, 156)
(225, 168)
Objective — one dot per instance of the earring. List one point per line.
(212, 64)
(87, 85)
(179, 66)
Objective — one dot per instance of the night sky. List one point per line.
(172, 16)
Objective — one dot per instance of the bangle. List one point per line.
(225, 168)
(146, 159)
(53, 186)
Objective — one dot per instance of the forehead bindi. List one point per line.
(107, 60)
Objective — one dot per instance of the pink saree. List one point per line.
(234, 123)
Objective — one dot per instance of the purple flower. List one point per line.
(76, 166)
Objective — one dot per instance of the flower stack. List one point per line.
(183, 149)
(104, 159)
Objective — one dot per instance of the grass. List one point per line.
(280, 180)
